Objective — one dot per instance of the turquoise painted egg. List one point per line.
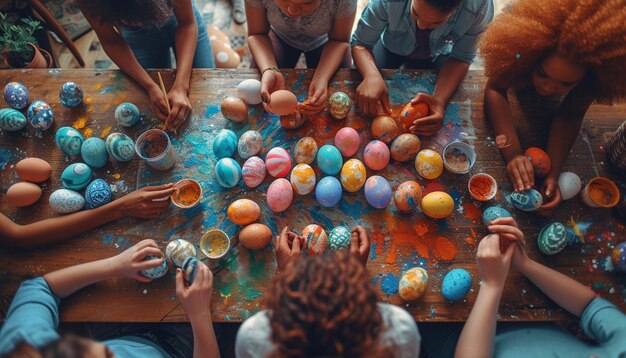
(120, 146)
(494, 212)
(157, 271)
(69, 141)
(552, 238)
(329, 159)
(339, 105)
(71, 95)
(253, 172)
(456, 284)
(347, 140)
(302, 179)
(339, 238)
(618, 257)
(527, 200)
(94, 152)
(305, 150)
(16, 95)
(227, 172)
(250, 144)
(177, 251)
(279, 195)
(353, 175)
(127, 114)
(328, 191)
(12, 120)
(76, 176)
(278, 162)
(190, 268)
(376, 155)
(40, 115)
(97, 194)
(65, 201)
(316, 239)
(377, 191)
(413, 284)
(224, 144)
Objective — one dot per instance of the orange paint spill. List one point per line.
(88, 133)
(472, 212)
(106, 131)
(121, 98)
(81, 122)
(88, 100)
(117, 175)
(445, 249)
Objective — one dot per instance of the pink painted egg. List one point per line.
(303, 179)
(428, 164)
(316, 239)
(405, 147)
(279, 195)
(384, 128)
(253, 172)
(278, 162)
(408, 196)
(353, 175)
(347, 140)
(305, 150)
(376, 155)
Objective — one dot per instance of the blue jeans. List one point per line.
(151, 44)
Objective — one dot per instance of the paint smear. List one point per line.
(389, 284)
(472, 212)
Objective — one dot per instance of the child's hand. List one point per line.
(318, 93)
(159, 106)
(372, 90)
(493, 266)
(507, 229)
(521, 173)
(131, 261)
(360, 244)
(270, 82)
(181, 109)
(287, 248)
(196, 298)
(550, 188)
(430, 124)
(144, 202)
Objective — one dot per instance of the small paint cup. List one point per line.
(482, 187)
(600, 193)
(215, 244)
(154, 146)
(459, 157)
(188, 193)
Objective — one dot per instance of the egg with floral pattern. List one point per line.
(339, 105)
(98, 193)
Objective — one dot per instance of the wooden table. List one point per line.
(399, 241)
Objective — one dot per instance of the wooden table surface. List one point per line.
(399, 241)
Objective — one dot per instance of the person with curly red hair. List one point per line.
(570, 50)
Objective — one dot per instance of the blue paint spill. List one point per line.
(6, 157)
(107, 239)
(211, 110)
(389, 284)
(373, 255)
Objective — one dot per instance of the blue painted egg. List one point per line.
(71, 95)
(552, 238)
(225, 144)
(339, 238)
(377, 191)
(69, 141)
(456, 284)
(177, 251)
(190, 267)
(494, 212)
(329, 159)
(127, 114)
(328, 191)
(94, 152)
(227, 172)
(65, 201)
(16, 95)
(250, 144)
(618, 257)
(97, 194)
(157, 271)
(120, 147)
(76, 176)
(12, 120)
(527, 200)
(40, 115)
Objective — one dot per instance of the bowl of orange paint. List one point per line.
(188, 193)
(482, 187)
(600, 193)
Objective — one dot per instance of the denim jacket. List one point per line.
(457, 38)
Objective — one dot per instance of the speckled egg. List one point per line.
(127, 114)
(224, 143)
(250, 91)
(23, 194)
(156, 271)
(12, 120)
(569, 185)
(250, 144)
(305, 150)
(243, 211)
(316, 239)
(40, 115)
(339, 238)
(456, 284)
(65, 201)
(120, 146)
(377, 191)
(94, 152)
(293, 120)
(279, 195)
(411, 112)
(234, 109)
(71, 95)
(253, 172)
(618, 257)
(34, 170)
(282, 103)
(339, 105)
(302, 179)
(177, 251)
(353, 175)
(328, 191)
(255, 236)
(527, 200)
(494, 212)
(227, 172)
(190, 268)
(278, 162)
(384, 128)
(437, 204)
(428, 164)
(540, 161)
(552, 238)
(98, 193)
(76, 176)
(69, 141)
(408, 196)
(376, 155)
(405, 147)
(413, 284)
(16, 95)
(329, 159)
(347, 140)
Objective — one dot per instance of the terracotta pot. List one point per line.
(42, 58)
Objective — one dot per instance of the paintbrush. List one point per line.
(165, 95)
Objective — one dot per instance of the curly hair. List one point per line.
(588, 32)
(135, 12)
(325, 306)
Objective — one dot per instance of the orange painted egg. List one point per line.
(33, 169)
(408, 196)
(437, 204)
(405, 147)
(540, 161)
(413, 284)
(243, 211)
(316, 239)
(255, 236)
(428, 164)
(302, 179)
(234, 109)
(305, 150)
(384, 128)
(353, 175)
(282, 103)
(412, 112)
(23, 194)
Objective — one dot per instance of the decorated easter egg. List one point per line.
(250, 143)
(293, 120)
(437, 204)
(305, 150)
(65, 201)
(384, 128)
(411, 112)
(353, 175)
(316, 239)
(377, 191)
(34, 170)
(552, 238)
(569, 185)
(94, 152)
(347, 140)
(456, 284)
(40, 115)
(282, 102)
(339, 238)
(405, 147)
(339, 105)
(413, 284)
(302, 179)
(156, 271)
(253, 172)
(76, 176)
(428, 164)
(190, 268)
(250, 91)
(69, 141)
(494, 212)
(227, 172)
(540, 161)
(279, 195)
(329, 159)
(618, 257)
(16, 95)
(12, 120)
(527, 200)
(177, 251)
(243, 211)
(328, 191)
(408, 196)
(376, 155)
(97, 194)
(234, 109)
(120, 147)
(224, 55)
(278, 162)
(127, 114)
(71, 95)
(23, 194)
(255, 236)
(225, 143)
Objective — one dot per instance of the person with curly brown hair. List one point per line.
(326, 306)
(573, 51)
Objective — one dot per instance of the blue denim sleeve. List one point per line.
(605, 323)
(465, 48)
(33, 317)
(372, 23)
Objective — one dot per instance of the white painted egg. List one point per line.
(569, 185)
(250, 91)
(65, 201)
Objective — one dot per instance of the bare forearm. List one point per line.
(186, 40)
(66, 281)
(450, 76)
(499, 114)
(563, 133)
(331, 58)
(262, 51)
(204, 341)
(477, 337)
(364, 62)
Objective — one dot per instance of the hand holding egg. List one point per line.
(287, 248)
(271, 81)
(430, 124)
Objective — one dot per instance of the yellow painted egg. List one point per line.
(353, 175)
(408, 196)
(33, 170)
(243, 211)
(437, 204)
(428, 164)
(384, 128)
(413, 284)
(405, 147)
(302, 179)
(255, 236)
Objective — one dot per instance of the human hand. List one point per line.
(288, 247)
(157, 100)
(550, 188)
(196, 298)
(271, 81)
(318, 93)
(131, 261)
(521, 173)
(493, 266)
(144, 202)
(360, 244)
(430, 124)
(509, 232)
(181, 109)
(372, 90)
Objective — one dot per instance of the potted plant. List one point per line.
(18, 44)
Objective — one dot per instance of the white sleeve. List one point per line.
(254, 337)
(401, 331)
